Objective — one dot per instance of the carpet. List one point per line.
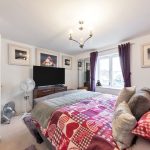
(28, 122)
(32, 147)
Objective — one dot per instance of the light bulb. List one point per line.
(70, 31)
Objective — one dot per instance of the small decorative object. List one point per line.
(67, 62)
(27, 86)
(98, 83)
(47, 58)
(19, 55)
(80, 65)
(81, 42)
(8, 112)
(146, 55)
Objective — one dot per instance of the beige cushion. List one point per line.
(146, 89)
(122, 125)
(140, 103)
(125, 94)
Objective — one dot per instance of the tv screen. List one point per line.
(44, 76)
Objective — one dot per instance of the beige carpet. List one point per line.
(16, 136)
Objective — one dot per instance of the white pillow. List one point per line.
(125, 94)
(122, 125)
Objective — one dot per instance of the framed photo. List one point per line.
(146, 55)
(87, 66)
(47, 58)
(19, 55)
(80, 64)
(67, 62)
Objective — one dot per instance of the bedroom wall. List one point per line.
(140, 76)
(13, 75)
(0, 82)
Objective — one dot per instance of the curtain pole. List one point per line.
(111, 48)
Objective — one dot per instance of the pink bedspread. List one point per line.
(85, 125)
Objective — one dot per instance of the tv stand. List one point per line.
(59, 85)
(47, 90)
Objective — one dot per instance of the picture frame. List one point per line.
(80, 64)
(145, 55)
(46, 58)
(87, 66)
(67, 62)
(18, 55)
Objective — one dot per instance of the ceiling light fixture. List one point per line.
(81, 42)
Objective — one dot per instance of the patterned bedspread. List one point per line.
(85, 125)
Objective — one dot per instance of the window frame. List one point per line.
(110, 56)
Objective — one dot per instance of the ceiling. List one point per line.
(46, 23)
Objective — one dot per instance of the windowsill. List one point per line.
(109, 87)
(108, 90)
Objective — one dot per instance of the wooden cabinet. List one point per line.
(43, 91)
(84, 87)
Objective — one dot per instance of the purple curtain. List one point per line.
(124, 54)
(93, 60)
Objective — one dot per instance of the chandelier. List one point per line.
(81, 28)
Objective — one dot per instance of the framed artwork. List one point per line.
(146, 55)
(80, 64)
(87, 66)
(47, 58)
(67, 62)
(19, 55)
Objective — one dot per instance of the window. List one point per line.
(109, 71)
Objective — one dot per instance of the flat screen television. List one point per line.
(44, 76)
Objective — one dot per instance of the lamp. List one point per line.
(81, 28)
(27, 86)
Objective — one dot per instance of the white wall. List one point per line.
(0, 83)
(140, 77)
(83, 55)
(13, 75)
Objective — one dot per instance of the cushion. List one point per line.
(143, 126)
(146, 89)
(125, 94)
(122, 125)
(139, 103)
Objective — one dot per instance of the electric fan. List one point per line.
(27, 86)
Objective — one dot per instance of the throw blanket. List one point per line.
(84, 125)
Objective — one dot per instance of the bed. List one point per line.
(76, 120)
